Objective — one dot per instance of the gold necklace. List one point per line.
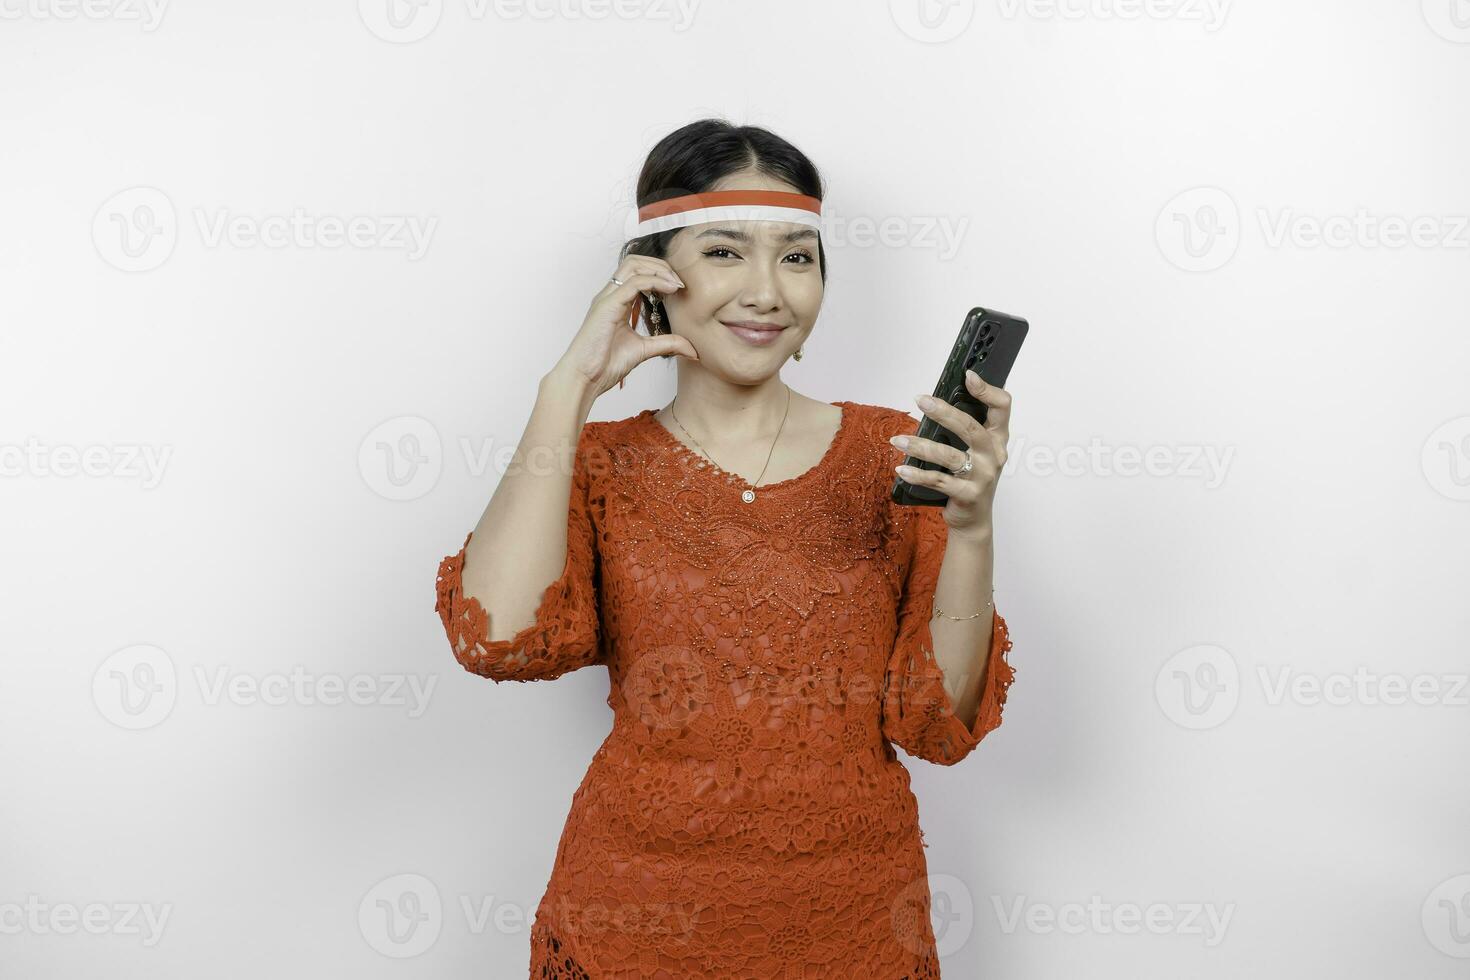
(748, 495)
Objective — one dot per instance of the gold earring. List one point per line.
(797, 355)
(653, 317)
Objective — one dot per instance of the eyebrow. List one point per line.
(740, 236)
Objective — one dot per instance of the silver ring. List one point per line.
(964, 469)
(615, 280)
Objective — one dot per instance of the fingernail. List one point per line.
(904, 470)
(902, 442)
(924, 401)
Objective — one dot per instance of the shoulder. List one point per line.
(612, 433)
(881, 421)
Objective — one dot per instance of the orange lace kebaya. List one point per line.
(747, 816)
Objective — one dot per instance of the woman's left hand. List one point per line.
(971, 494)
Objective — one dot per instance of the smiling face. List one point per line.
(761, 273)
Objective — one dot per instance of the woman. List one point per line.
(772, 623)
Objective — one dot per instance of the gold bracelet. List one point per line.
(939, 612)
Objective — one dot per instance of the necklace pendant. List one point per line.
(748, 496)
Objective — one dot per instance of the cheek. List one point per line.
(806, 295)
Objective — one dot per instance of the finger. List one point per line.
(637, 284)
(640, 279)
(669, 343)
(946, 483)
(997, 401)
(634, 265)
(959, 422)
(935, 452)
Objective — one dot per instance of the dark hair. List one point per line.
(693, 158)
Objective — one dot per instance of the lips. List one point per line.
(753, 332)
(753, 325)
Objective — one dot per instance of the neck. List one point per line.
(707, 405)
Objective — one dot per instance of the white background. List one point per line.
(1116, 174)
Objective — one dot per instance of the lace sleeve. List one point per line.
(918, 714)
(566, 632)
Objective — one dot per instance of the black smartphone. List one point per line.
(988, 343)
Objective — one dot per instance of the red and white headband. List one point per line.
(698, 209)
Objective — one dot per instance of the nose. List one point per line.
(761, 290)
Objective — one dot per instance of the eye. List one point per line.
(799, 253)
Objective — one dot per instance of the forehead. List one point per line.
(769, 234)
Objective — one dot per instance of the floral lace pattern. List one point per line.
(747, 816)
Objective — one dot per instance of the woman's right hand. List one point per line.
(607, 347)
